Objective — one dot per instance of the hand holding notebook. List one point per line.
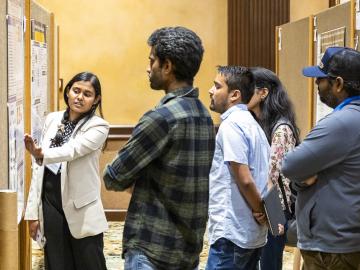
(273, 210)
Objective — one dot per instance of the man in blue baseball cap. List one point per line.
(325, 168)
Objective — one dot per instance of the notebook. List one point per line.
(273, 210)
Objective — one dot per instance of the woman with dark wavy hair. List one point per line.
(64, 207)
(275, 113)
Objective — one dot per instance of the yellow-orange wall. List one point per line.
(304, 8)
(109, 37)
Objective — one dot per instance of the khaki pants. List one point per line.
(315, 260)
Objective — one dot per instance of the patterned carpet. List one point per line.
(112, 242)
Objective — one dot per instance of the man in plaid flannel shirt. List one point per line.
(167, 159)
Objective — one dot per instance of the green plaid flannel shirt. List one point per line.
(168, 159)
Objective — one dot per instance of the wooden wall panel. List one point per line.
(115, 203)
(51, 62)
(251, 31)
(24, 235)
(333, 3)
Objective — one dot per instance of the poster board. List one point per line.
(334, 37)
(15, 100)
(3, 98)
(39, 78)
(43, 16)
(294, 51)
(42, 65)
(333, 27)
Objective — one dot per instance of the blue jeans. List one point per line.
(225, 255)
(272, 252)
(137, 260)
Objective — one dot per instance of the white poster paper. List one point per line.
(20, 157)
(17, 153)
(327, 39)
(12, 146)
(38, 87)
(15, 8)
(15, 59)
(357, 12)
(16, 104)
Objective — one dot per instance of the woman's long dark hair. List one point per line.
(93, 79)
(95, 82)
(276, 105)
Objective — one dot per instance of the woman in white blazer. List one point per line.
(64, 203)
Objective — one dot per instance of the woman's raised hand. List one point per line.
(31, 146)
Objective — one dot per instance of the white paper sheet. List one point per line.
(335, 37)
(38, 88)
(15, 41)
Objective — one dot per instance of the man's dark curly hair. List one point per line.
(182, 47)
(241, 78)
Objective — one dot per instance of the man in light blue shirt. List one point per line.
(238, 175)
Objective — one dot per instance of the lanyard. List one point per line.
(346, 102)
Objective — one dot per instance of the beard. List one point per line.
(155, 86)
(219, 107)
(329, 99)
(156, 82)
(212, 105)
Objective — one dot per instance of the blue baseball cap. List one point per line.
(345, 63)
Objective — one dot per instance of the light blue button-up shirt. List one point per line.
(240, 139)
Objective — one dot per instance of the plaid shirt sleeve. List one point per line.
(149, 138)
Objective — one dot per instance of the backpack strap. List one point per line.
(288, 213)
(280, 122)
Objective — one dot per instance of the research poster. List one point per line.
(335, 37)
(15, 103)
(39, 78)
(15, 8)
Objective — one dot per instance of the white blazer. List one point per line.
(80, 179)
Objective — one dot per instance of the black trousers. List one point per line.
(62, 250)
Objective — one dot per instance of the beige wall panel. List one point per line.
(333, 18)
(3, 99)
(112, 199)
(293, 56)
(109, 38)
(303, 8)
